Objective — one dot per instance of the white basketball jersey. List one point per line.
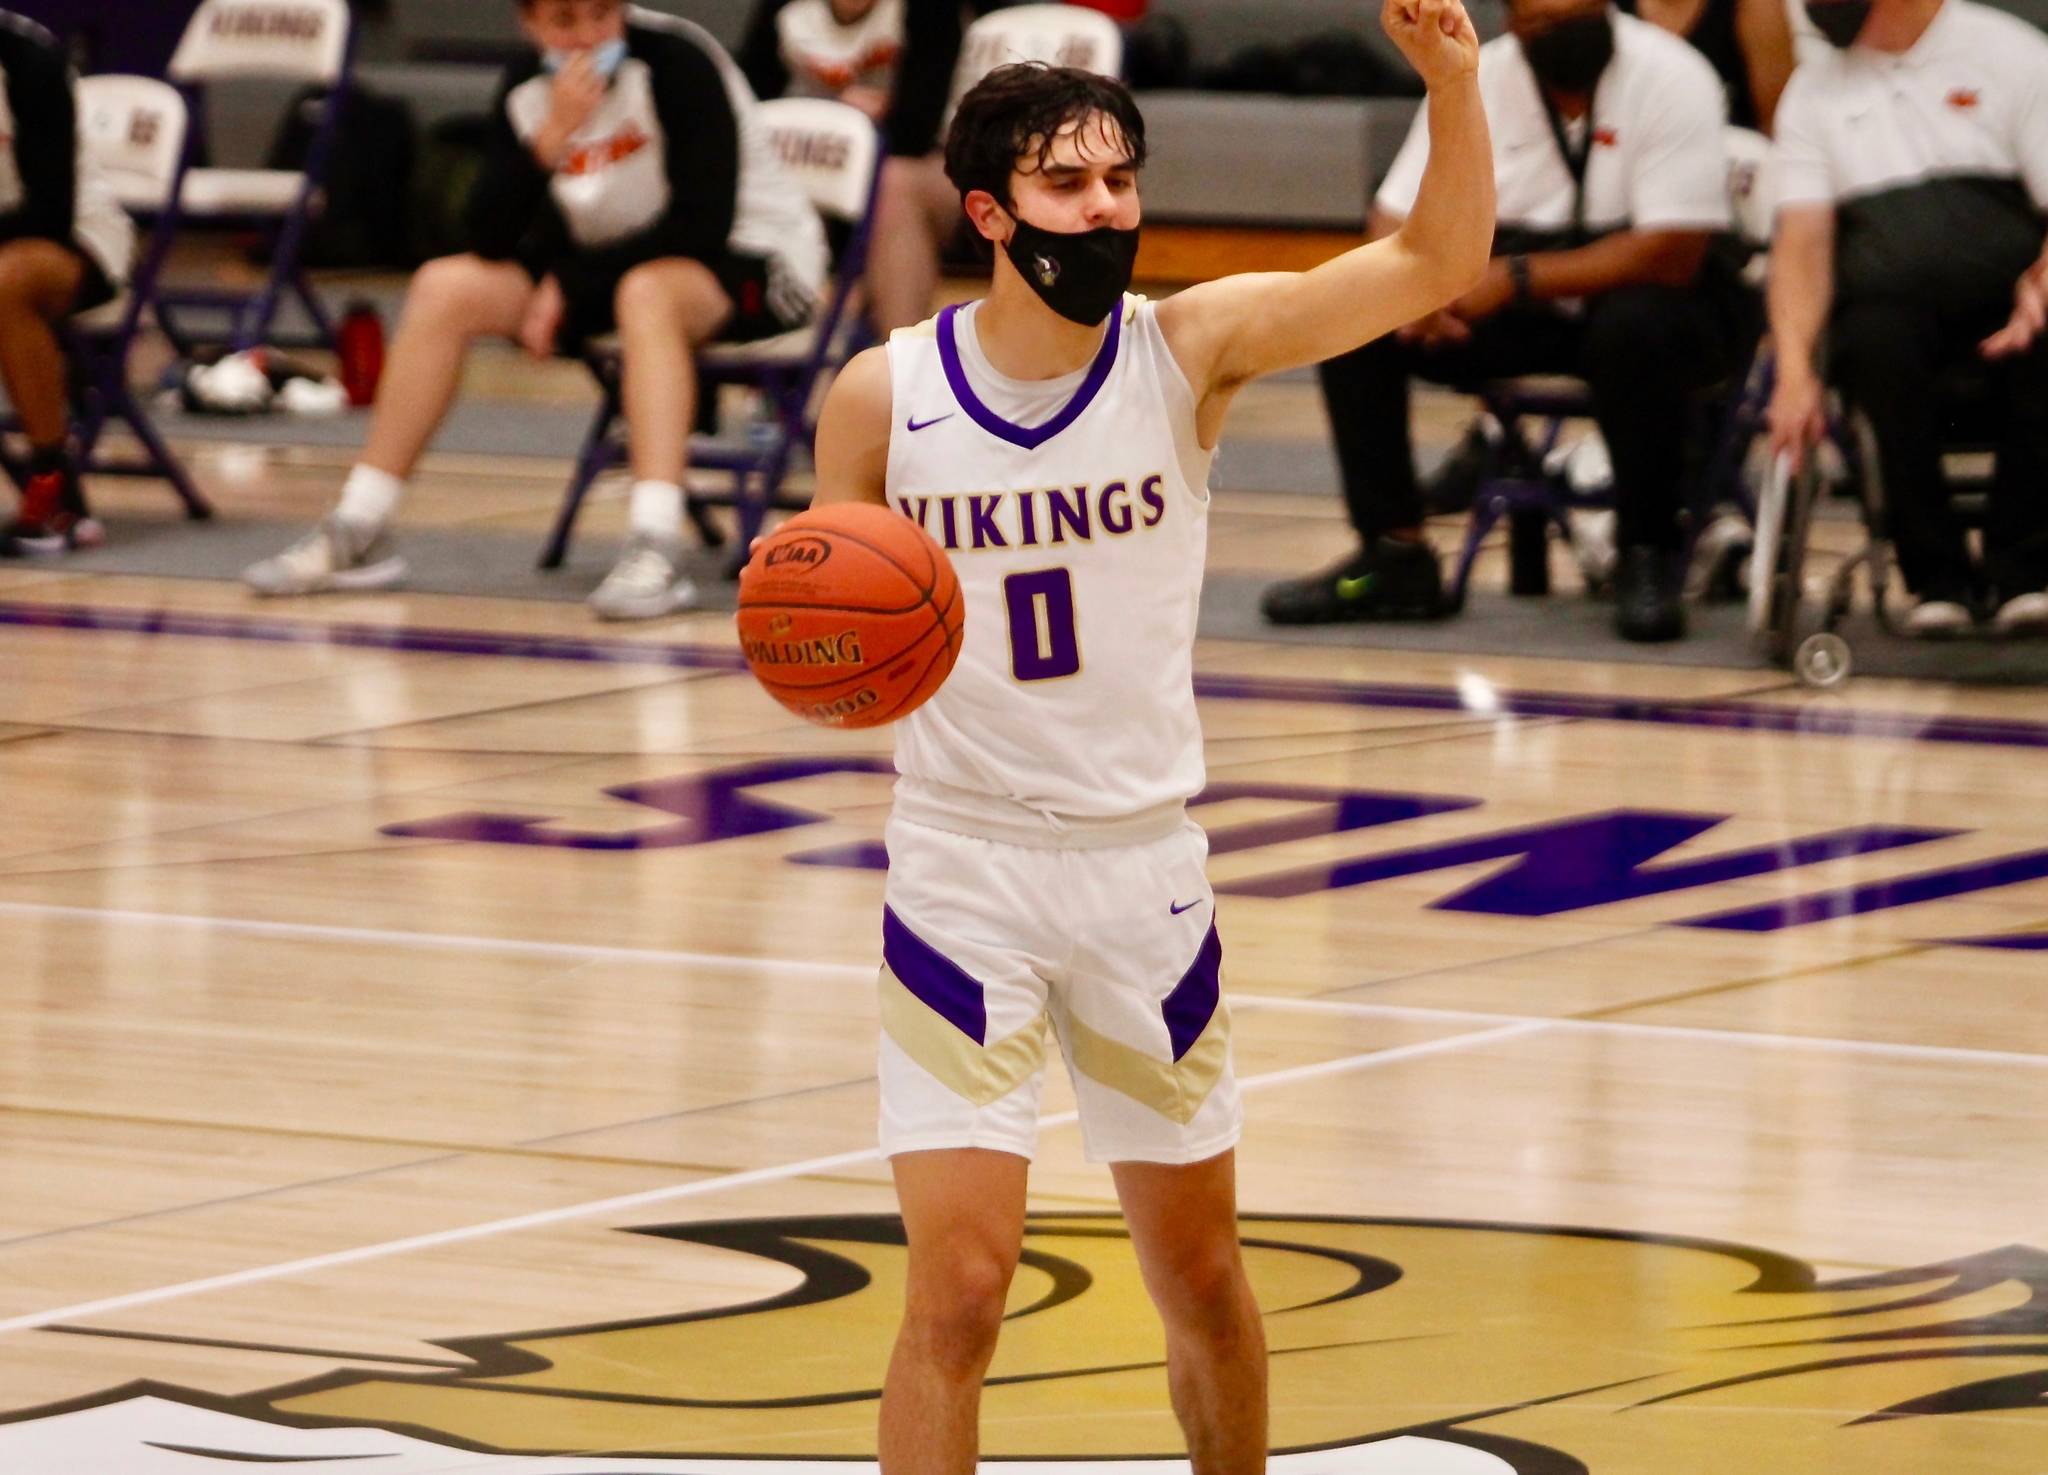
(1075, 512)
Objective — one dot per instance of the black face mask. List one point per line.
(1571, 55)
(1841, 21)
(1080, 275)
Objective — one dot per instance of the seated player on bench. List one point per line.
(630, 186)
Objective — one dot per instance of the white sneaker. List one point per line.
(1938, 617)
(2023, 613)
(1720, 555)
(335, 556)
(644, 584)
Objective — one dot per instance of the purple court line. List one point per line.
(1729, 716)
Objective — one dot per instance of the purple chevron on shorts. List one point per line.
(936, 980)
(1192, 1004)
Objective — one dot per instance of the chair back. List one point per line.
(303, 41)
(830, 149)
(133, 130)
(1064, 35)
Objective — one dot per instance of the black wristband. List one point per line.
(1518, 274)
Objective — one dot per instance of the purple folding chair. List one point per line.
(835, 152)
(311, 42)
(133, 129)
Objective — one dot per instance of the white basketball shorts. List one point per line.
(989, 946)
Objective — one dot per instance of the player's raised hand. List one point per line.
(1435, 35)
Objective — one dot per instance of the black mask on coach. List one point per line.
(1841, 21)
(1571, 55)
(1081, 275)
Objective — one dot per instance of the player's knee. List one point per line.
(958, 1308)
(1203, 1288)
(673, 293)
(449, 288)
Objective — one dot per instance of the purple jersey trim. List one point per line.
(1017, 435)
(1192, 1004)
(936, 980)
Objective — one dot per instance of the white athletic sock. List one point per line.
(656, 510)
(369, 497)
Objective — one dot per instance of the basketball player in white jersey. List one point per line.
(1044, 876)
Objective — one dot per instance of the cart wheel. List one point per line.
(1824, 661)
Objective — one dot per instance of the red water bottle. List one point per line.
(360, 342)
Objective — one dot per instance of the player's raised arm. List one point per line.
(853, 433)
(1229, 331)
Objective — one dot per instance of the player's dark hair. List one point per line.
(1020, 109)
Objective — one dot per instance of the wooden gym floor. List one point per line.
(437, 1034)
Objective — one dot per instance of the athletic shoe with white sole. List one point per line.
(645, 584)
(1939, 617)
(52, 518)
(337, 556)
(2023, 614)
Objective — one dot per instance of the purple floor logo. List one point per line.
(1550, 869)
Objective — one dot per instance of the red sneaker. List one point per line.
(53, 517)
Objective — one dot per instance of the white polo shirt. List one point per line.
(1969, 99)
(1658, 161)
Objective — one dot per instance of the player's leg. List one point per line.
(39, 283)
(1146, 1033)
(963, 998)
(452, 302)
(917, 210)
(963, 1212)
(1183, 1223)
(665, 310)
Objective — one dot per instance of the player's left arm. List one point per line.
(853, 433)
(1227, 332)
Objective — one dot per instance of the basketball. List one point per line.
(850, 615)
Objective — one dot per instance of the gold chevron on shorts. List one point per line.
(1176, 1090)
(981, 1073)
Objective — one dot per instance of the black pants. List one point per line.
(1645, 352)
(1888, 354)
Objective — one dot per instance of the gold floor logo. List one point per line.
(1397, 1346)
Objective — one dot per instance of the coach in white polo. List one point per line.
(1613, 183)
(1913, 226)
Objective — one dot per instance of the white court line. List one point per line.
(648, 1198)
(444, 941)
(591, 953)
(1691, 1032)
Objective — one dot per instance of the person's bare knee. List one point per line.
(468, 294)
(677, 294)
(37, 277)
(958, 1291)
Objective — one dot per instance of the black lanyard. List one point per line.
(1576, 160)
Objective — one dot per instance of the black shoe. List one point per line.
(1455, 486)
(1386, 580)
(1646, 596)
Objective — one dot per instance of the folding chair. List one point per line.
(311, 42)
(1521, 491)
(835, 153)
(134, 130)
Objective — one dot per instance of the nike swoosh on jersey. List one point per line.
(1178, 910)
(914, 425)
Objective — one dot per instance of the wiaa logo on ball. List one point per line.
(1398, 1347)
(804, 553)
